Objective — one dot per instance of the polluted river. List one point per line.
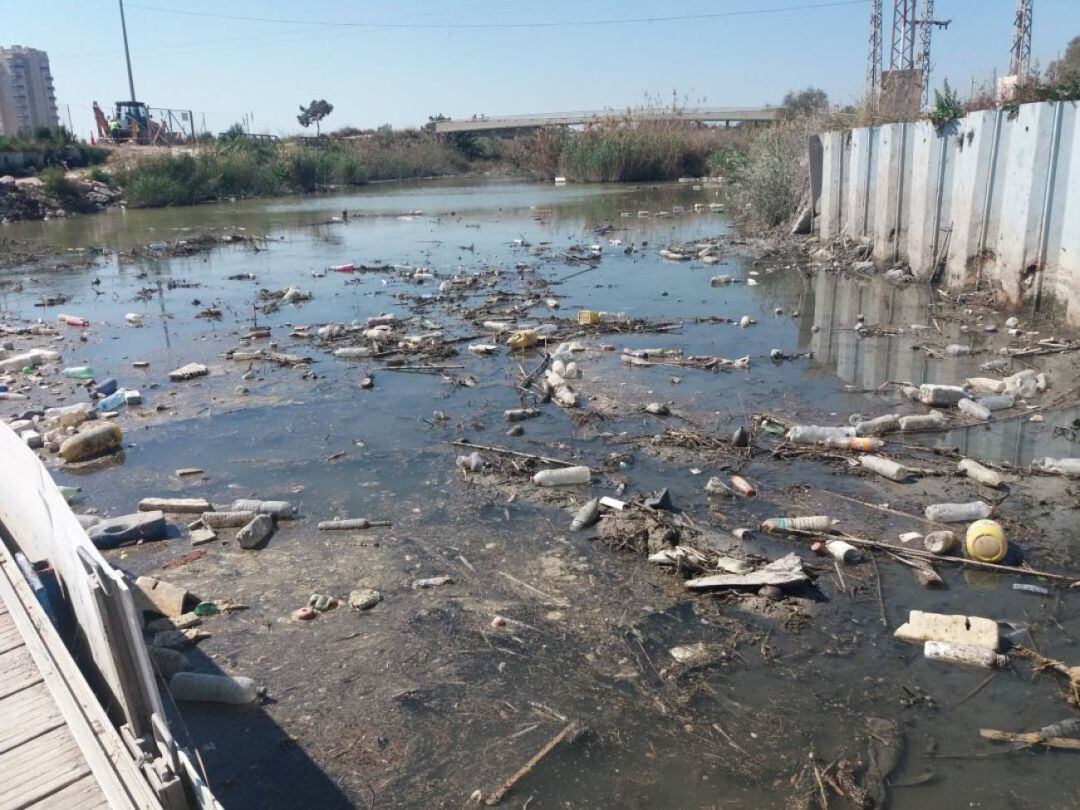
(415, 354)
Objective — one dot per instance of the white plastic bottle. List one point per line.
(811, 434)
(563, 476)
(958, 512)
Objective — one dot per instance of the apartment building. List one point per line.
(27, 97)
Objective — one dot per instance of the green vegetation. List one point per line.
(61, 190)
(57, 145)
(947, 108)
(623, 150)
(237, 167)
(767, 188)
(802, 103)
(314, 113)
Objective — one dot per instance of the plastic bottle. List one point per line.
(212, 688)
(69, 415)
(939, 395)
(133, 319)
(226, 520)
(881, 424)
(1000, 402)
(279, 509)
(523, 339)
(72, 320)
(106, 387)
(973, 408)
(957, 350)
(841, 551)
(92, 442)
(814, 523)
(985, 541)
(572, 372)
(742, 486)
(922, 421)
(586, 516)
(114, 402)
(1069, 467)
(563, 476)
(985, 385)
(812, 434)
(887, 468)
(79, 372)
(353, 352)
(958, 512)
(863, 443)
(942, 542)
(558, 367)
(984, 475)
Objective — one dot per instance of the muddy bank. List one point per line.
(770, 690)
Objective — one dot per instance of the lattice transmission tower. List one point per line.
(873, 69)
(1020, 59)
(902, 42)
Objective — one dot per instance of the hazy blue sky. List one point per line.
(224, 68)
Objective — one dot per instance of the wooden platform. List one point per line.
(57, 748)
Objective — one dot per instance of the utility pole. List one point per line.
(1020, 59)
(873, 69)
(127, 53)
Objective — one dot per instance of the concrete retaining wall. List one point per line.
(994, 198)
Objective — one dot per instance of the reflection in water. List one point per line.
(866, 363)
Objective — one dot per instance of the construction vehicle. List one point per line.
(143, 125)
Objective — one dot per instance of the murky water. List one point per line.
(729, 736)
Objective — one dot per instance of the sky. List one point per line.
(400, 61)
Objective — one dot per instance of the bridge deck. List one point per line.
(715, 114)
(57, 749)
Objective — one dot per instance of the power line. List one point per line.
(458, 26)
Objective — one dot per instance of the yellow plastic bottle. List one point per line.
(985, 541)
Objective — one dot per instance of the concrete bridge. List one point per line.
(528, 121)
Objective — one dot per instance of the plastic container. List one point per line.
(563, 476)
(985, 541)
(523, 339)
(114, 402)
(812, 434)
(863, 443)
(572, 371)
(78, 372)
(973, 408)
(942, 542)
(1069, 467)
(72, 320)
(588, 317)
(814, 523)
(984, 475)
(212, 688)
(881, 424)
(106, 387)
(887, 468)
(958, 512)
(133, 319)
(558, 367)
(957, 350)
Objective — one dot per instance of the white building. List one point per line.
(27, 97)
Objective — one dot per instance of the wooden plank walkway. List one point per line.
(57, 749)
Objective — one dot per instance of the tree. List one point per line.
(313, 113)
(1068, 66)
(801, 103)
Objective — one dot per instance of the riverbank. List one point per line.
(497, 629)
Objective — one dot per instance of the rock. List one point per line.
(175, 505)
(257, 532)
(364, 598)
(33, 439)
(159, 596)
(200, 537)
(657, 409)
(112, 532)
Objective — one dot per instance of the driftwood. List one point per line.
(505, 452)
(1029, 739)
(500, 793)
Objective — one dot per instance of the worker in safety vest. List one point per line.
(114, 130)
